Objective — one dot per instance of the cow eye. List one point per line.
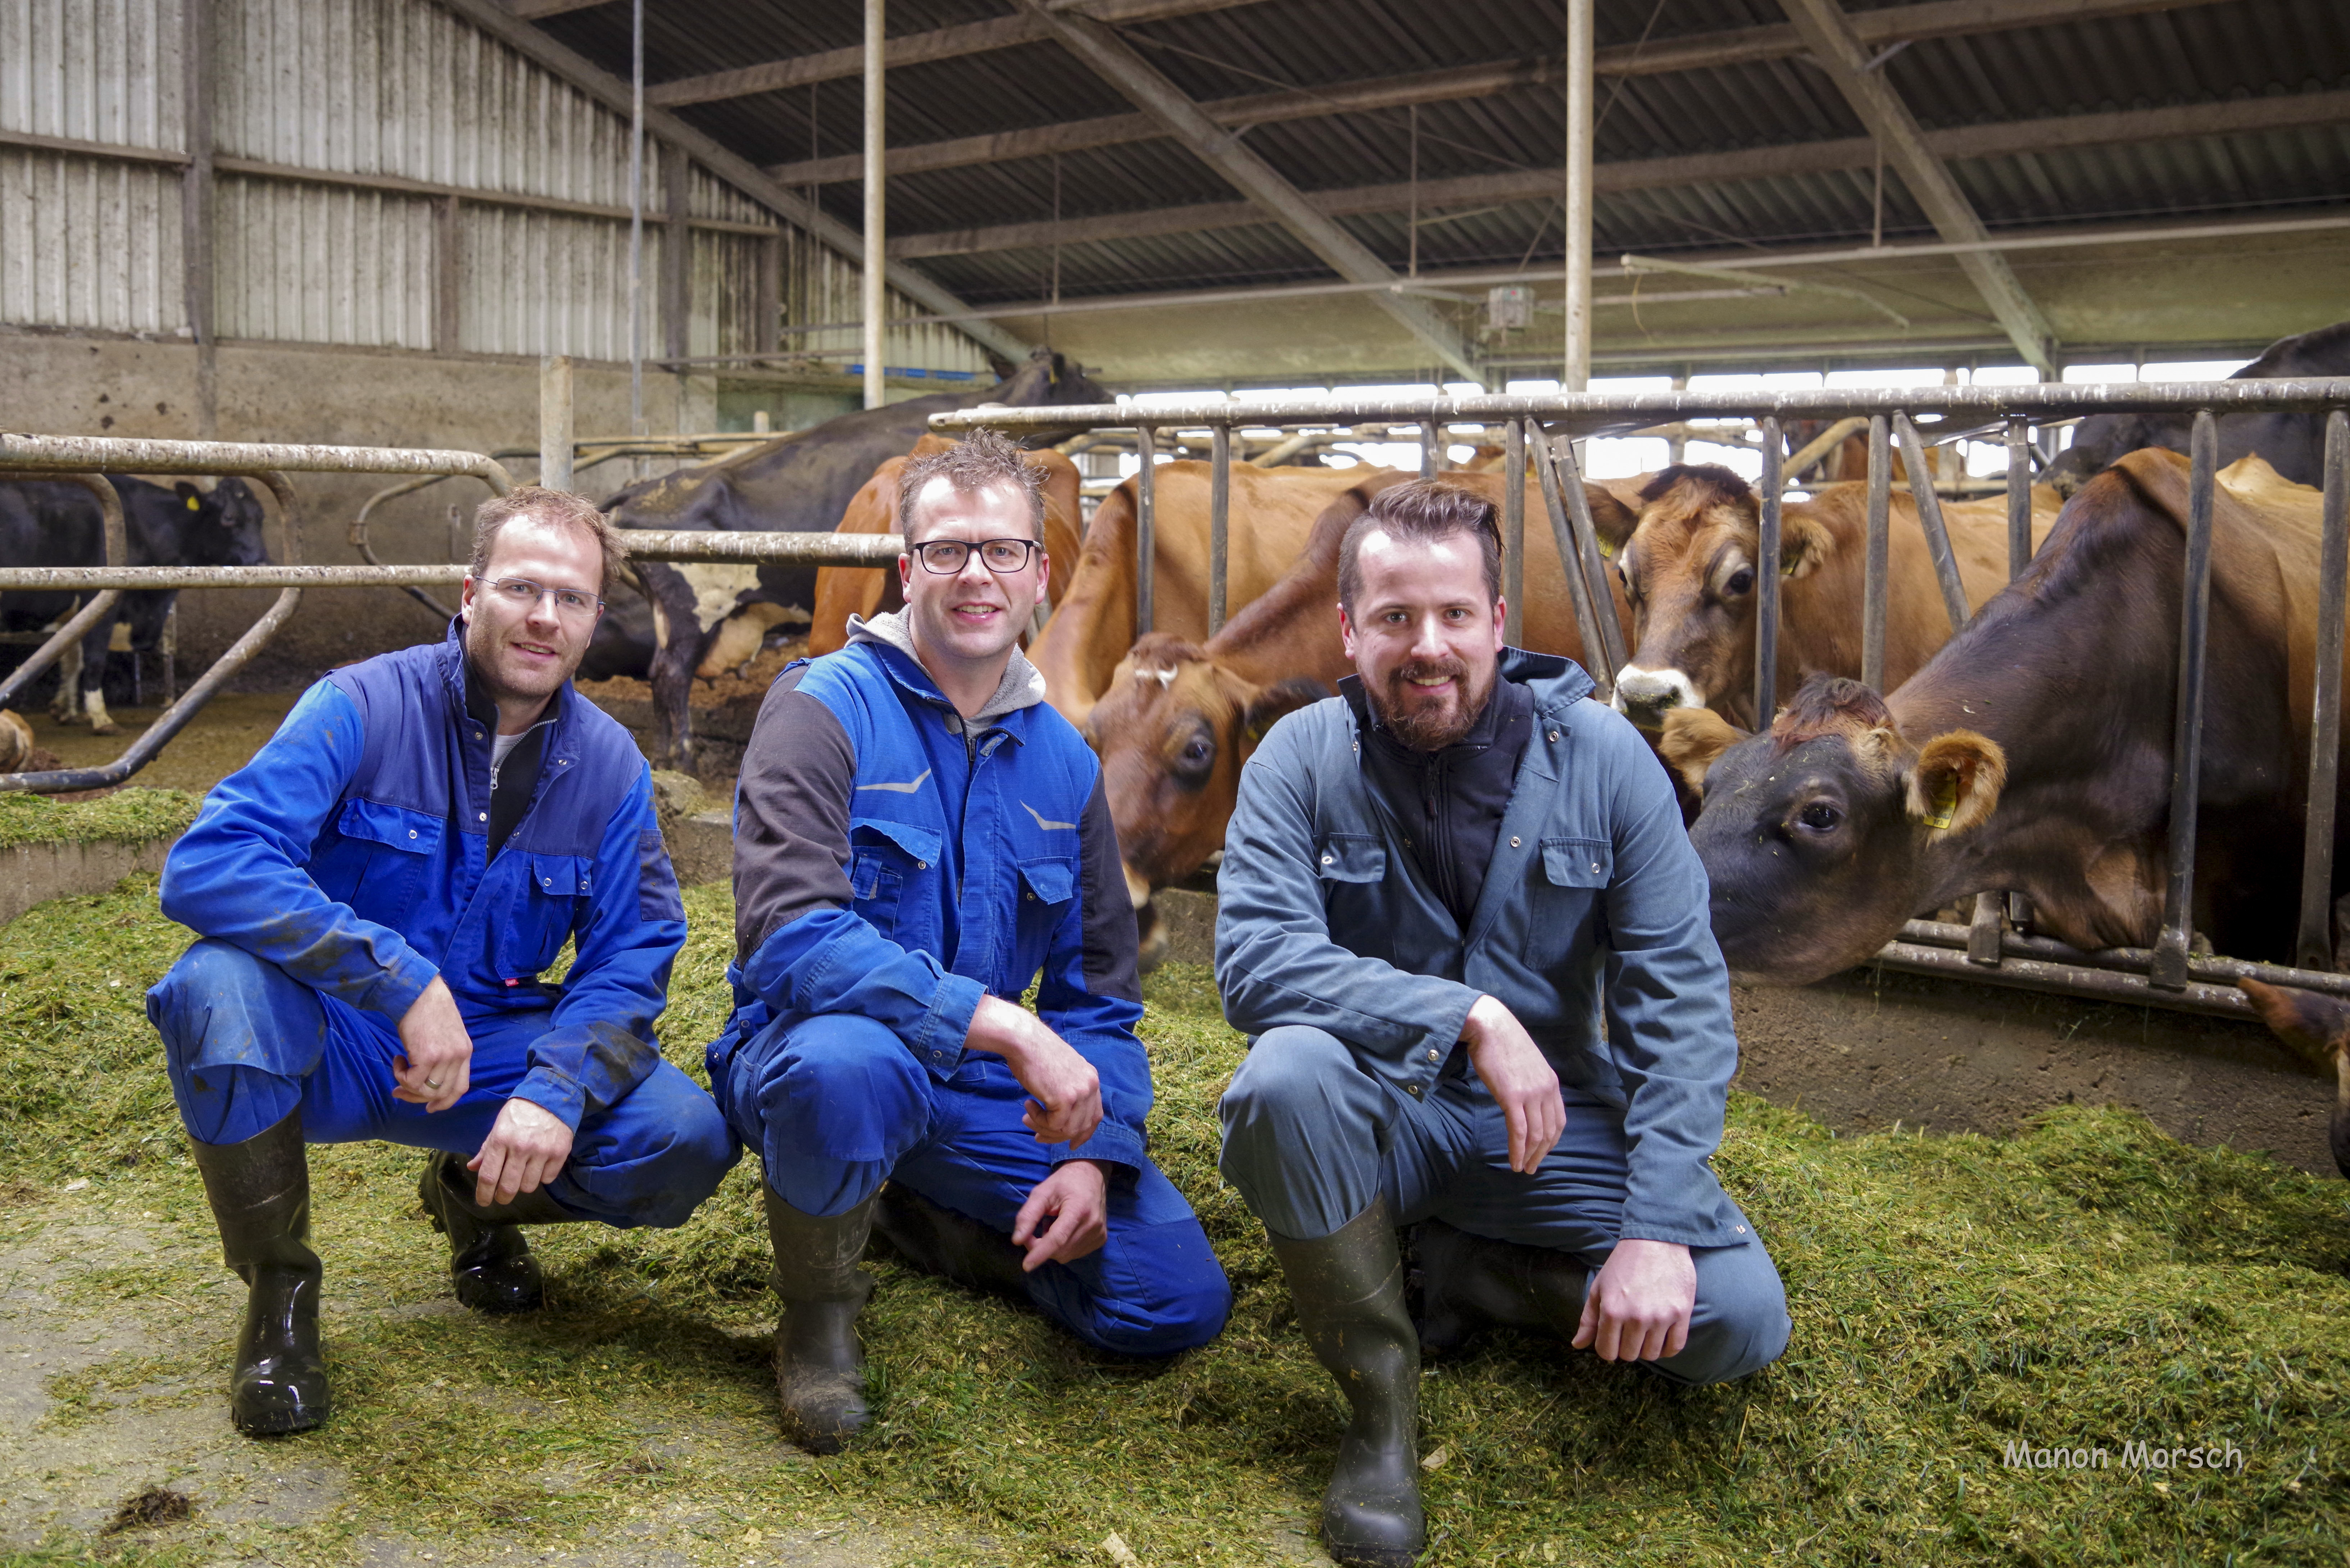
(1742, 583)
(1196, 754)
(1820, 817)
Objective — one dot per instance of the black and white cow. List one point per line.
(46, 523)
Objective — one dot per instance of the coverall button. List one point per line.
(1329, 860)
(411, 833)
(1432, 1056)
(1595, 865)
(1552, 736)
(486, 816)
(477, 735)
(1412, 1089)
(1514, 842)
(921, 865)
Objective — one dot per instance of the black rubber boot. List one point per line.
(1470, 1283)
(260, 1193)
(1348, 1290)
(937, 1240)
(489, 1263)
(819, 1365)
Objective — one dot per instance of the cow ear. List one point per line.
(1954, 785)
(1692, 740)
(1610, 519)
(2316, 1025)
(1280, 698)
(1804, 545)
(189, 495)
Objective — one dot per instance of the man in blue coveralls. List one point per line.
(1435, 886)
(377, 894)
(916, 836)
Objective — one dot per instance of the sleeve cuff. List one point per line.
(553, 1093)
(1113, 1143)
(938, 1039)
(404, 980)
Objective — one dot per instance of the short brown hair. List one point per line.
(544, 505)
(1422, 512)
(980, 461)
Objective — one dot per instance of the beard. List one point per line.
(486, 651)
(1423, 724)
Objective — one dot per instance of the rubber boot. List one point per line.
(260, 1194)
(489, 1263)
(1348, 1290)
(1470, 1283)
(937, 1240)
(819, 1365)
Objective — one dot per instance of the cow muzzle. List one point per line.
(1644, 696)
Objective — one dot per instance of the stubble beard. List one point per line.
(485, 649)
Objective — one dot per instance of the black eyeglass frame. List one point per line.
(1029, 548)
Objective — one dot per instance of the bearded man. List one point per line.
(376, 895)
(1434, 886)
(916, 839)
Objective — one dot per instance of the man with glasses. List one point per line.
(376, 895)
(917, 836)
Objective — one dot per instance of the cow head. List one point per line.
(1823, 834)
(224, 527)
(1172, 729)
(1688, 569)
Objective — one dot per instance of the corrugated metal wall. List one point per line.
(396, 89)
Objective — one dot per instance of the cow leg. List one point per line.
(66, 706)
(677, 637)
(96, 648)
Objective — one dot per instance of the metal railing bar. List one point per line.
(2019, 497)
(1146, 533)
(1219, 519)
(1578, 587)
(1878, 569)
(1930, 518)
(76, 627)
(2066, 980)
(1766, 577)
(2199, 966)
(1594, 565)
(121, 455)
(2169, 968)
(1514, 536)
(2314, 942)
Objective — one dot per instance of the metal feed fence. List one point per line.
(85, 459)
(2170, 975)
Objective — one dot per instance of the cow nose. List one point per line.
(1644, 696)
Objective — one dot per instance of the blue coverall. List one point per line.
(1354, 980)
(893, 864)
(332, 877)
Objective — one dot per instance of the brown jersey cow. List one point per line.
(1688, 563)
(2032, 753)
(1180, 715)
(843, 591)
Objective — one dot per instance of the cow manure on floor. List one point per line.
(156, 1505)
(2087, 1283)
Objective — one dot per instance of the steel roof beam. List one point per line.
(1837, 50)
(916, 48)
(2229, 116)
(1696, 51)
(493, 18)
(1113, 59)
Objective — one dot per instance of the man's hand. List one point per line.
(1520, 1079)
(436, 1062)
(524, 1151)
(1065, 1218)
(1638, 1308)
(1064, 1090)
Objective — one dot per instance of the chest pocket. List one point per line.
(884, 858)
(1048, 884)
(1350, 857)
(378, 867)
(1578, 862)
(550, 893)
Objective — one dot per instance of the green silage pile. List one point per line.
(128, 816)
(2088, 1282)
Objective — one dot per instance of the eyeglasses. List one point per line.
(948, 556)
(521, 593)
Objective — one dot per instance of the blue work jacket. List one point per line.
(1594, 903)
(353, 853)
(895, 861)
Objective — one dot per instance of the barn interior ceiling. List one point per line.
(1259, 192)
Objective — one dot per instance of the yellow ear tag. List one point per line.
(1607, 551)
(191, 504)
(1946, 805)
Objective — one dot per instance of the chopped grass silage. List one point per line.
(2087, 1283)
(137, 815)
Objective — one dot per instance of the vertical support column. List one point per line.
(1514, 536)
(1219, 521)
(1929, 519)
(555, 421)
(1676, 443)
(2168, 969)
(1146, 531)
(196, 205)
(1593, 563)
(1880, 534)
(447, 275)
(2313, 948)
(2019, 497)
(637, 225)
(768, 297)
(876, 240)
(1431, 455)
(677, 259)
(1578, 377)
(1766, 577)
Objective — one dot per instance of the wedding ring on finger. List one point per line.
(432, 1083)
